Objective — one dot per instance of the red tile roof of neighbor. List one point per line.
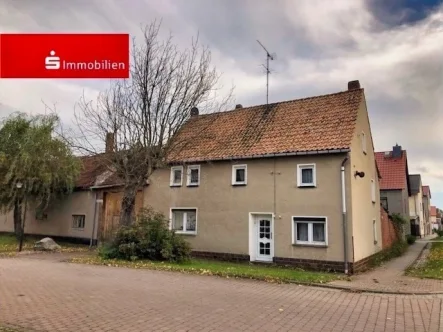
(433, 211)
(321, 123)
(94, 172)
(426, 191)
(393, 171)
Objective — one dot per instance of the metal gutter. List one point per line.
(269, 155)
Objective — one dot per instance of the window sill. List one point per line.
(193, 185)
(175, 185)
(306, 186)
(311, 245)
(239, 184)
(186, 233)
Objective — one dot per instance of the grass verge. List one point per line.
(9, 245)
(270, 273)
(433, 267)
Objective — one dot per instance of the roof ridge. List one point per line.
(281, 102)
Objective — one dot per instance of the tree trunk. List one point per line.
(18, 219)
(128, 205)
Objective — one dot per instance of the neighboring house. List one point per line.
(90, 212)
(395, 188)
(427, 209)
(275, 183)
(433, 217)
(416, 206)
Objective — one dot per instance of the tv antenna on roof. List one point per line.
(268, 71)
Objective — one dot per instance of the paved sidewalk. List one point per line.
(46, 295)
(390, 276)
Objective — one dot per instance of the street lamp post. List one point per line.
(19, 186)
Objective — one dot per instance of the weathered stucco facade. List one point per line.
(225, 212)
(59, 218)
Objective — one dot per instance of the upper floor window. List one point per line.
(306, 176)
(373, 191)
(184, 220)
(239, 175)
(176, 178)
(363, 142)
(193, 175)
(384, 202)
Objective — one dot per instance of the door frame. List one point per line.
(253, 237)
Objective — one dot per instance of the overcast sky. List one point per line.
(394, 47)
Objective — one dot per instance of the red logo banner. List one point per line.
(64, 55)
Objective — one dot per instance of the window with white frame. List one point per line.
(176, 176)
(373, 191)
(239, 175)
(374, 231)
(306, 176)
(78, 221)
(184, 220)
(310, 230)
(193, 175)
(363, 141)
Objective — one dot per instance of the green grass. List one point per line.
(440, 238)
(9, 245)
(269, 273)
(433, 268)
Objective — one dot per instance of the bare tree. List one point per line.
(141, 116)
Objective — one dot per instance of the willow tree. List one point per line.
(142, 115)
(35, 165)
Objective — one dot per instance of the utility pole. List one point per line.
(268, 71)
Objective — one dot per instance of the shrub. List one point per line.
(439, 232)
(410, 239)
(148, 238)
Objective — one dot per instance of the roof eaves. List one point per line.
(270, 155)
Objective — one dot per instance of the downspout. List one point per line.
(93, 223)
(344, 216)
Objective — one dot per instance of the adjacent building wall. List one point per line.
(59, 217)
(364, 212)
(398, 202)
(223, 209)
(416, 209)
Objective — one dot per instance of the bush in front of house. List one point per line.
(148, 238)
(438, 232)
(410, 239)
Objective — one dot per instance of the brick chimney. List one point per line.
(194, 112)
(396, 151)
(354, 85)
(110, 141)
(238, 106)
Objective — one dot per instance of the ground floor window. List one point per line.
(78, 221)
(310, 230)
(184, 220)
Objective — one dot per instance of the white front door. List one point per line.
(265, 241)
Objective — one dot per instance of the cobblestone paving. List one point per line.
(46, 295)
(390, 277)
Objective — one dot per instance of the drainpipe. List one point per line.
(344, 216)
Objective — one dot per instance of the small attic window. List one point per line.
(363, 142)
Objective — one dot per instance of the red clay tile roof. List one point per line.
(94, 170)
(393, 171)
(319, 123)
(433, 211)
(426, 191)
